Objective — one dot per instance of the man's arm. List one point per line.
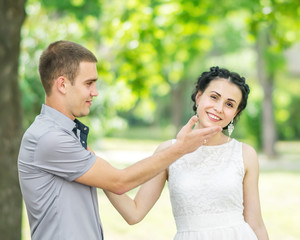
(134, 210)
(103, 175)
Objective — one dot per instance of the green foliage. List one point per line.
(150, 49)
(281, 20)
(153, 43)
(287, 102)
(35, 37)
(79, 8)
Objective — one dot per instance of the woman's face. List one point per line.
(218, 104)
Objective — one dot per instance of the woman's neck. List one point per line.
(218, 139)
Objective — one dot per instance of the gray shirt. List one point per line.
(51, 157)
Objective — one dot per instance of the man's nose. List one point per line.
(94, 91)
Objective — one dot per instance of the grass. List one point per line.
(279, 193)
(280, 201)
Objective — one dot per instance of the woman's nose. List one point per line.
(218, 107)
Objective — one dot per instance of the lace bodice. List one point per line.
(208, 181)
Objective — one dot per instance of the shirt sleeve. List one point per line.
(61, 154)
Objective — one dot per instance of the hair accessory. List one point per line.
(230, 128)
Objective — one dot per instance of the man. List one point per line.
(58, 175)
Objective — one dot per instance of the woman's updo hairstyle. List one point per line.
(215, 73)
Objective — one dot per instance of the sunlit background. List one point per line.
(150, 54)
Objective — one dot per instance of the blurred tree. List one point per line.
(146, 48)
(150, 54)
(78, 26)
(12, 15)
(287, 102)
(35, 38)
(274, 24)
(154, 43)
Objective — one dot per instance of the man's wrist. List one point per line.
(178, 149)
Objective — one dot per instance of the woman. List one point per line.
(214, 190)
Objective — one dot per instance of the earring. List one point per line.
(197, 111)
(230, 128)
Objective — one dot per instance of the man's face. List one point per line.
(80, 95)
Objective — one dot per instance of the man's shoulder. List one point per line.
(45, 131)
(43, 125)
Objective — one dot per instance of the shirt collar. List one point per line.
(81, 126)
(59, 117)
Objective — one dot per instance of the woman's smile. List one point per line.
(213, 117)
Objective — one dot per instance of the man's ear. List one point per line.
(61, 84)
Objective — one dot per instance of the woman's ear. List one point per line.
(199, 93)
(236, 113)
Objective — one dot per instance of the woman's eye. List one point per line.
(230, 105)
(213, 97)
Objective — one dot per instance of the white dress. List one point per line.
(206, 192)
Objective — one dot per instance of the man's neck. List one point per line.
(55, 104)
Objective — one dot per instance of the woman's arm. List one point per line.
(134, 210)
(252, 209)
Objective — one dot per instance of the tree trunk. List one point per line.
(266, 80)
(12, 15)
(177, 94)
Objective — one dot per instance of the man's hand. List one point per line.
(189, 140)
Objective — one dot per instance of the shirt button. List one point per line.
(83, 141)
(85, 128)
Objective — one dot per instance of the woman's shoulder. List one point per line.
(248, 149)
(249, 156)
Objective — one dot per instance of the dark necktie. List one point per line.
(84, 130)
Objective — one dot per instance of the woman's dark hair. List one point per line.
(215, 73)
